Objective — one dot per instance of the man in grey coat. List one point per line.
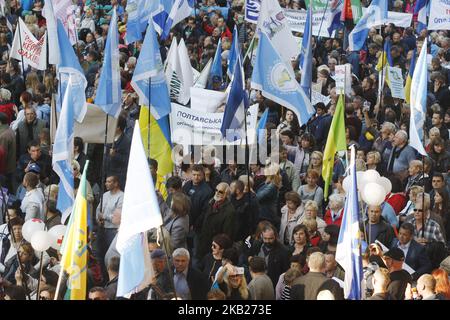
(28, 130)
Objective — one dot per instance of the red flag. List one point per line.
(346, 13)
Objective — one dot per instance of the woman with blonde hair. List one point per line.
(49, 83)
(267, 195)
(32, 82)
(373, 160)
(311, 190)
(234, 284)
(316, 161)
(311, 211)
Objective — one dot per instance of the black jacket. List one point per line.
(416, 258)
(198, 284)
(385, 233)
(278, 260)
(246, 216)
(117, 164)
(199, 195)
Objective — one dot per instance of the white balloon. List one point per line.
(374, 194)
(40, 240)
(57, 235)
(385, 183)
(371, 176)
(346, 184)
(30, 227)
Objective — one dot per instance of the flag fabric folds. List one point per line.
(203, 77)
(70, 67)
(306, 54)
(418, 101)
(139, 13)
(160, 142)
(63, 154)
(234, 116)
(181, 9)
(148, 79)
(421, 10)
(187, 76)
(335, 142)
(140, 213)
(273, 23)
(52, 32)
(74, 248)
(25, 46)
(385, 58)
(109, 91)
(409, 77)
(235, 52)
(216, 68)
(376, 15)
(261, 134)
(348, 251)
(173, 71)
(277, 82)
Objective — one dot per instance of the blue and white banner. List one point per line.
(439, 15)
(252, 8)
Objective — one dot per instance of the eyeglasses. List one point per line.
(44, 298)
(418, 210)
(220, 191)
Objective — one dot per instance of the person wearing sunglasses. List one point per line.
(218, 218)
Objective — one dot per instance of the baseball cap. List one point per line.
(34, 167)
(396, 254)
(158, 253)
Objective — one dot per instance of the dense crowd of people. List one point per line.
(261, 232)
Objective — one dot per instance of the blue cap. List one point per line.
(158, 253)
(34, 167)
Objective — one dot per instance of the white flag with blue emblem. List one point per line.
(277, 82)
(376, 15)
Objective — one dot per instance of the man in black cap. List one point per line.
(161, 287)
(393, 259)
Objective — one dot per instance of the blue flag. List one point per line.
(161, 13)
(421, 9)
(216, 68)
(109, 92)
(139, 13)
(277, 82)
(306, 54)
(180, 10)
(418, 101)
(348, 251)
(234, 116)
(262, 126)
(63, 153)
(234, 53)
(376, 15)
(69, 66)
(148, 79)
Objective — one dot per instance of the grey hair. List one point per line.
(404, 134)
(338, 199)
(181, 252)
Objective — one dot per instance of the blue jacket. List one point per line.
(267, 196)
(416, 258)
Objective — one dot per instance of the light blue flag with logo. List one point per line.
(109, 92)
(139, 13)
(69, 66)
(421, 9)
(63, 153)
(234, 116)
(306, 54)
(376, 15)
(348, 251)
(180, 10)
(161, 13)
(149, 80)
(418, 101)
(216, 68)
(235, 51)
(277, 82)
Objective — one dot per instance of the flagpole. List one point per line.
(382, 73)
(423, 164)
(321, 21)
(149, 117)
(22, 272)
(104, 164)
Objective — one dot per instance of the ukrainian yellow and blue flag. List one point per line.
(409, 77)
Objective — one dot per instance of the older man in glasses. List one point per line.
(426, 229)
(218, 218)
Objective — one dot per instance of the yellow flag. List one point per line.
(335, 142)
(74, 247)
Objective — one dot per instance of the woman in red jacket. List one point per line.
(6, 106)
(335, 210)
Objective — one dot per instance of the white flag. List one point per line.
(274, 24)
(53, 45)
(202, 80)
(187, 77)
(173, 71)
(33, 51)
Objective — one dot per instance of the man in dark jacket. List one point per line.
(34, 155)
(273, 251)
(219, 218)
(199, 193)
(119, 152)
(415, 254)
(377, 228)
(28, 130)
(247, 208)
(7, 150)
(190, 284)
(393, 259)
